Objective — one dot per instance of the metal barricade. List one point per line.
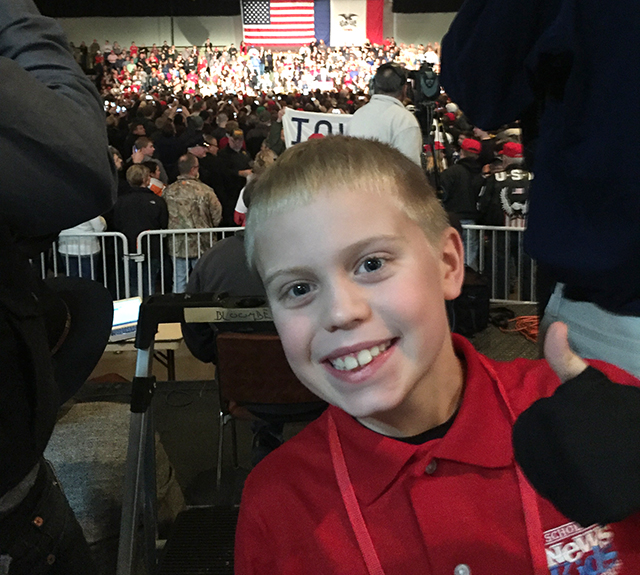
(165, 258)
(100, 256)
(498, 253)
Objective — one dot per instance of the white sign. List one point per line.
(298, 126)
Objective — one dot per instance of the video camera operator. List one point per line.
(55, 172)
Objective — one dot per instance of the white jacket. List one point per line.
(71, 242)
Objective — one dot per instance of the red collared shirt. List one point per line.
(437, 508)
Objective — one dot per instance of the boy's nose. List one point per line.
(347, 305)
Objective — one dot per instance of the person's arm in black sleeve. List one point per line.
(55, 167)
(580, 448)
(484, 57)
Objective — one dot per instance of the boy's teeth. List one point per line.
(350, 362)
(338, 363)
(363, 357)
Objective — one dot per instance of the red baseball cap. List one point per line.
(512, 150)
(316, 136)
(471, 145)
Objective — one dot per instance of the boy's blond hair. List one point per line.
(336, 163)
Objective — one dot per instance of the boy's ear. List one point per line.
(452, 263)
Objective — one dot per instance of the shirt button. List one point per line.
(462, 569)
(430, 470)
(38, 521)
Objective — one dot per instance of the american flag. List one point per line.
(278, 22)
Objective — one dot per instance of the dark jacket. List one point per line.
(221, 269)
(55, 172)
(504, 200)
(233, 163)
(56, 168)
(562, 67)
(138, 211)
(461, 185)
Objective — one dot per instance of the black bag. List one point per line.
(471, 307)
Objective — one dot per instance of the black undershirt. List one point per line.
(437, 432)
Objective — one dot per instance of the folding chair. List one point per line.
(253, 376)
(138, 527)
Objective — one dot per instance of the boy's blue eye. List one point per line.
(371, 265)
(299, 289)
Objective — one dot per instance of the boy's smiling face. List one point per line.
(357, 293)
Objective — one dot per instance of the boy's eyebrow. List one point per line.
(296, 271)
(354, 249)
(349, 251)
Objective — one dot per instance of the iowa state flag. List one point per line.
(297, 22)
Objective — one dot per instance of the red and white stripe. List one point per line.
(292, 23)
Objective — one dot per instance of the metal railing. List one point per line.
(100, 256)
(163, 260)
(498, 253)
(153, 268)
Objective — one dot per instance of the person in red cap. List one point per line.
(504, 201)
(461, 185)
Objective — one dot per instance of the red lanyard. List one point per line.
(527, 495)
(351, 503)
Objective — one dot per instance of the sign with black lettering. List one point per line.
(298, 126)
(224, 314)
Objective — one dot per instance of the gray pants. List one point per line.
(595, 333)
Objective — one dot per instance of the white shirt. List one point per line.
(72, 243)
(384, 118)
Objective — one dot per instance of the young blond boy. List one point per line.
(411, 468)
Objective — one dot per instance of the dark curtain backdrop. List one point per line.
(79, 8)
(413, 6)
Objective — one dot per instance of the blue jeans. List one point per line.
(42, 535)
(80, 266)
(181, 270)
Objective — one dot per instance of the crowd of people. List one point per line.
(210, 69)
(226, 130)
(354, 249)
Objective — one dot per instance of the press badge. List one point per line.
(575, 550)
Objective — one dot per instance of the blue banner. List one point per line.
(322, 17)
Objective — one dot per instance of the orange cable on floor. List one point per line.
(527, 325)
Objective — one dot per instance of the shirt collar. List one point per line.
(387, 98)
(480, 435)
